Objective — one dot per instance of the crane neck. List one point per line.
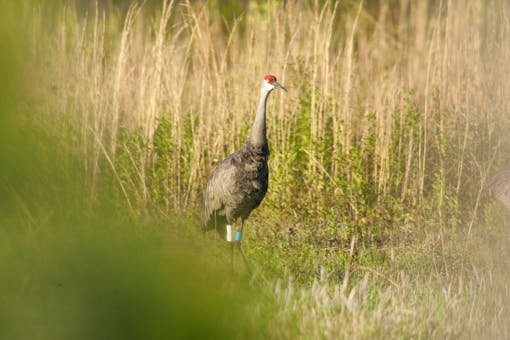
(258, 131)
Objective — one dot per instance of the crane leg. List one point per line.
(244, 258)
(232, 258)
(241, 250)
(230, 242)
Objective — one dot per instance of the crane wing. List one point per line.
(220, 186)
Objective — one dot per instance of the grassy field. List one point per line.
(376, 223)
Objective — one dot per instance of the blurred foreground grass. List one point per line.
(93, 278)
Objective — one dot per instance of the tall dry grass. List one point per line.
(402, 101)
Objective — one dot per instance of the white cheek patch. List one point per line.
(267, 86)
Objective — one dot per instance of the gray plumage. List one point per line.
(238, 184)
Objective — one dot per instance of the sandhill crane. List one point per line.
(238, 184)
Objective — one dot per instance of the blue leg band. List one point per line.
(238, 236)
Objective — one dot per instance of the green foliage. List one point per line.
(163, 171)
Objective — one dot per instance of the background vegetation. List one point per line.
(376, 223)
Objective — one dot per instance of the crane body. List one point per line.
(236, 186)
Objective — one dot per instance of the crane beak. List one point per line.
(278, 85)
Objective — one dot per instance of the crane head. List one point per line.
(270, 83)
